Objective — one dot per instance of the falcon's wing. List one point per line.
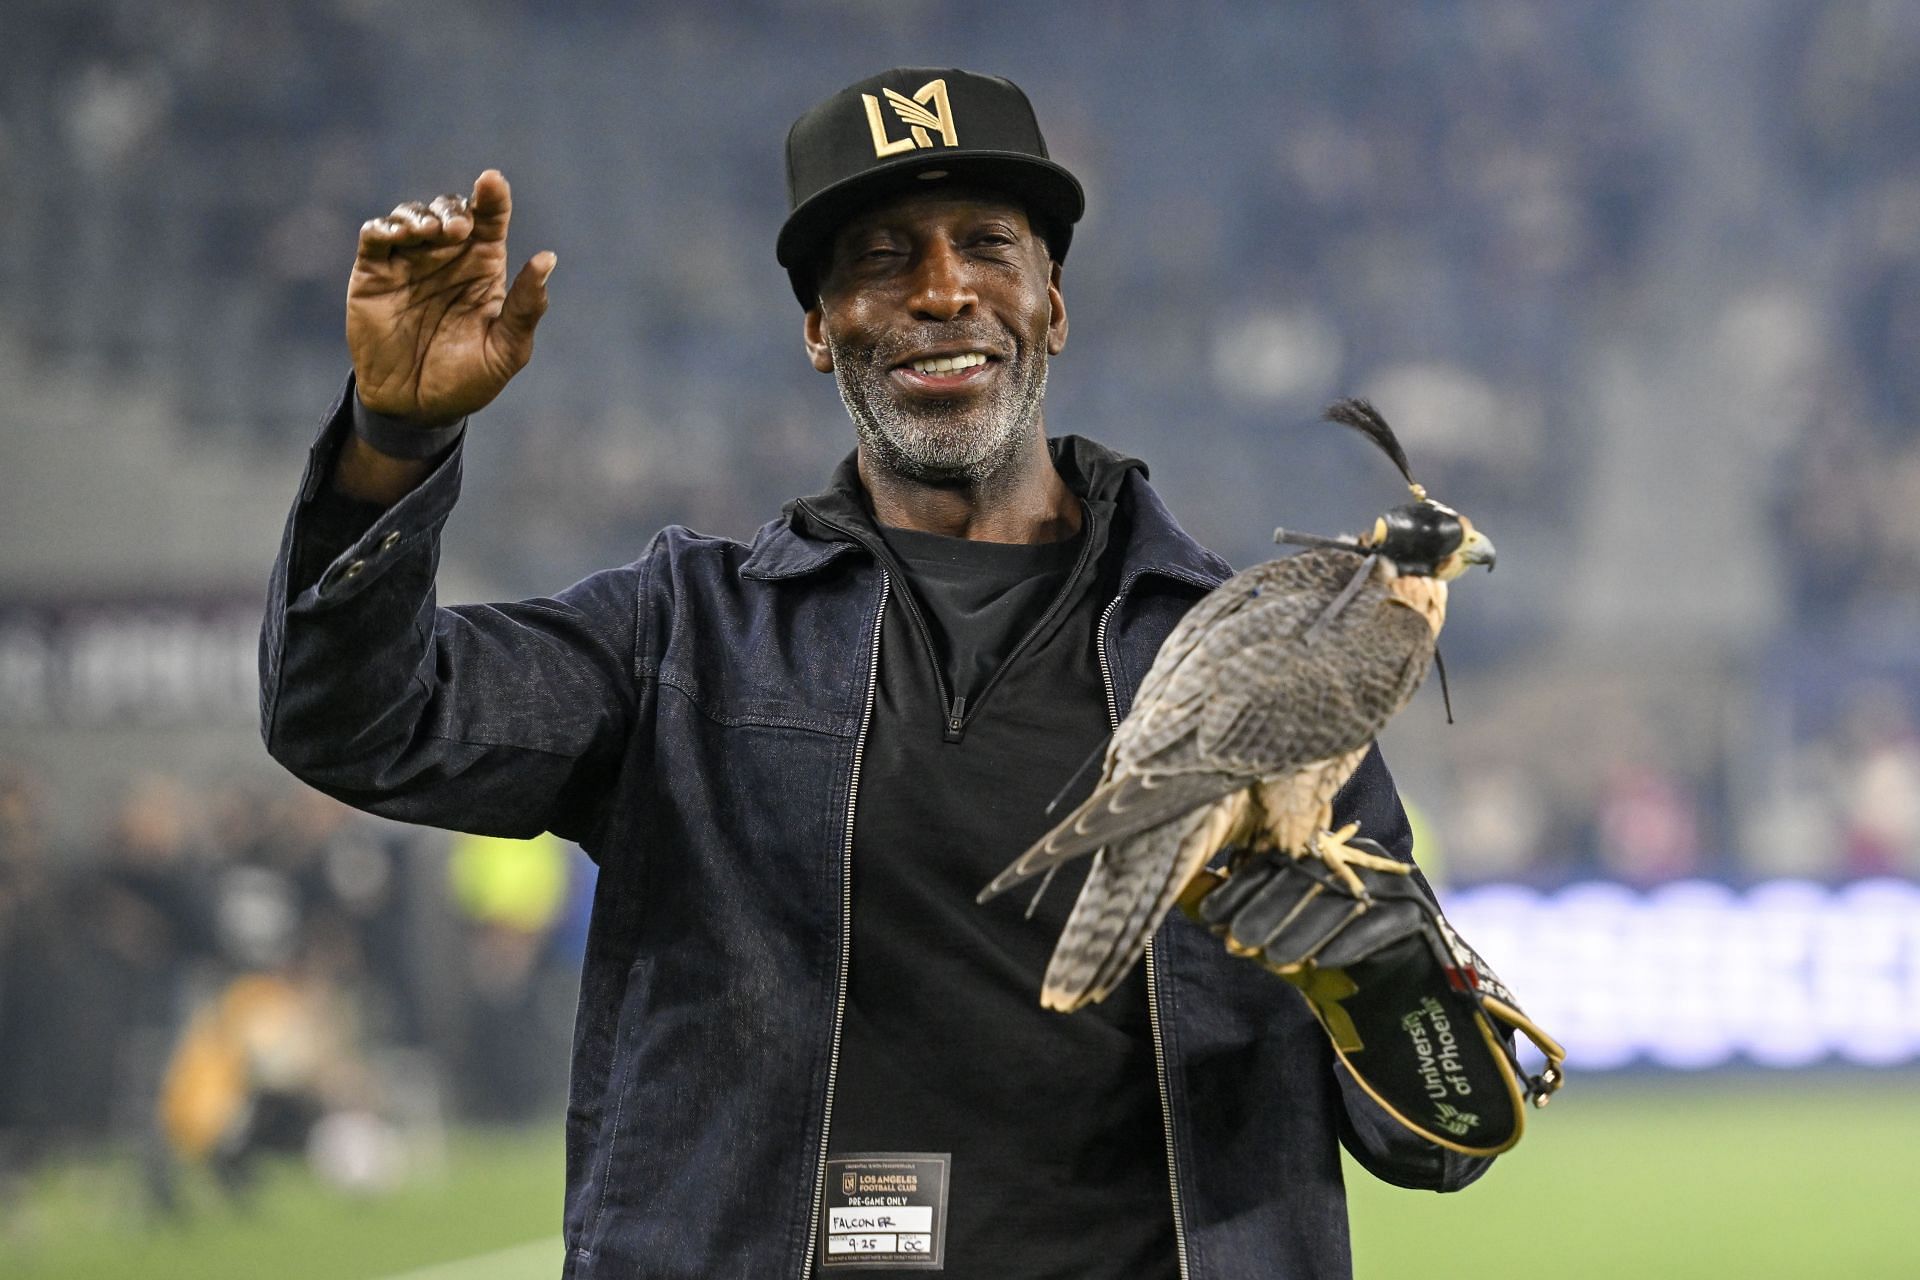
(1126, 804)
(1251, 694)
(1279, 703)
(1246, 696)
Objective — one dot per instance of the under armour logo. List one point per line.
(925, 113)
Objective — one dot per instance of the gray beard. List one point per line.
(941, 442)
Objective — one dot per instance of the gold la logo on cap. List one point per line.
(927, 109)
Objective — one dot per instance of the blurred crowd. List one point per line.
(1828, 789)
(257, 971)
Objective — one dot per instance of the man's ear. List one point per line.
(1057, 309)
(813, 332)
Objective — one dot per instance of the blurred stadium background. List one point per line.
(1639, 281)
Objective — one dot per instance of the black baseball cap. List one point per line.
(891, 132)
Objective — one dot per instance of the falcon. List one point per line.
(1256, 710)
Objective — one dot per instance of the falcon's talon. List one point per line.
(1335, 850)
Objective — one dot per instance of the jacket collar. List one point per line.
(1155, 543)
(813, 532)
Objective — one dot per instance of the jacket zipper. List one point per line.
(957, 719)
(1153, 984)
(956, 704)
(846, 932)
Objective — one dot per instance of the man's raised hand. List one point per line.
(434, 331)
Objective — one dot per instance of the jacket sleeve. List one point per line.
(506, 719)
(1381, 1144)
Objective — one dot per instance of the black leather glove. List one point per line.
(1415, 1013)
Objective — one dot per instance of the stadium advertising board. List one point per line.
(129, 661)
(1698, 974)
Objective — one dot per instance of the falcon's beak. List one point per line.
(1477, 549)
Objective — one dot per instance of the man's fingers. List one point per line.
(454, 212)
(414, 223)
(492, 206)
(526, 302)
(377, 237)
(527, 299)
(447, 219)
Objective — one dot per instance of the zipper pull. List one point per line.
(956, 718)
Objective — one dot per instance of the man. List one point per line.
(800, 1046)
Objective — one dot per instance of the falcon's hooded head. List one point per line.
(1427, 539)
(1423, 538)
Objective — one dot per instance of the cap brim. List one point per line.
(1045, 187)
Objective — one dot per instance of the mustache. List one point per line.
(980, 336)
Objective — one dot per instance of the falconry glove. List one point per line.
(1413, 1011)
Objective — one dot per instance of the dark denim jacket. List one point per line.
(695, 720)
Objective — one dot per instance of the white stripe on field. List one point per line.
(538, 1260)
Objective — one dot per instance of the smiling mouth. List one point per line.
(948, 364)
(945, 373)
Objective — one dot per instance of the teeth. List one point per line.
(949, 364)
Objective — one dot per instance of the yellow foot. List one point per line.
(1341, 858)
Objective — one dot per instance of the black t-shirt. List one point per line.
(1053, 1122)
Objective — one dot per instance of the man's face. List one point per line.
(937, 314)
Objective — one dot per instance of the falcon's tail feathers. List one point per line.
(1117, 810)
(1102, 934)
(1123, 903)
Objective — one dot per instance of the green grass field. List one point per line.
(83, 1222)
(1774, 1178)
(1781, 1177)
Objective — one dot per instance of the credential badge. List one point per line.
(928, 109)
